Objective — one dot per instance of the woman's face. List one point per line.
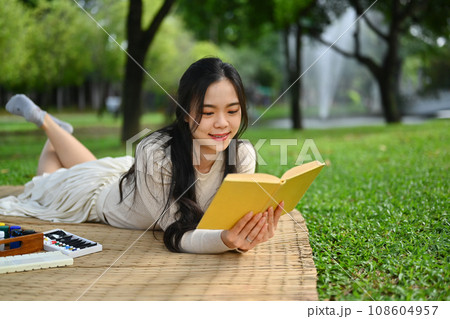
(220, 120)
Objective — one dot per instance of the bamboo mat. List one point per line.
(135, 266)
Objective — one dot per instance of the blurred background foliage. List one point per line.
(55, 52)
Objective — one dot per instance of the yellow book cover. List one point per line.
(242, 193)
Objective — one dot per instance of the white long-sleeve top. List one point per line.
(145, 206)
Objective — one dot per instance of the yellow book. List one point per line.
(242, 193)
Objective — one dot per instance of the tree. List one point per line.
(58, 54)
(107, 56)
(14, 27)
(173, 50)
(41, 53)
(400, 16)
(234, 22)
(139, 41)
(297, 19)
(243, 22)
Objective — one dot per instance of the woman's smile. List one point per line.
(220, 137)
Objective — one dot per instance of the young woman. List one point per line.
(171, 181)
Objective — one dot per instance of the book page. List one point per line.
(293, 189)
(297, 170)
(259, 177)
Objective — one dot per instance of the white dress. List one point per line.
(90, 192)
(67, 195)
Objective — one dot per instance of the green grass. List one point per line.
(377, 214)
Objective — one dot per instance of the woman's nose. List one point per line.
(221, 120)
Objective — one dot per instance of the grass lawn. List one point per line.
(377, 214)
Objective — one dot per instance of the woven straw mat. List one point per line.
(135, 266)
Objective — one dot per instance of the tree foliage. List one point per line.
(234, 22)
(58, 54)
(53, 43)
(14, 27)
(173, 51)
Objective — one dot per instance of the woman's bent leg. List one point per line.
(49, 160)
(67, 148)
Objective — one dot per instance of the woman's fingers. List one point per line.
(271, 222)
(245, 231)
(252, 235)
(274, 217)
(242, 223)
(251, 229)
(237, 236)
(277, 214)
(271, 216)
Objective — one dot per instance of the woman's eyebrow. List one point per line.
(214, 106)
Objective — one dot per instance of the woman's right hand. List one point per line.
(251, 230)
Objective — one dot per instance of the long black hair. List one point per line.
(191, 93)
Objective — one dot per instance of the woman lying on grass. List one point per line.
(171, 181)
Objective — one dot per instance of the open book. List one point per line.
(242, 193)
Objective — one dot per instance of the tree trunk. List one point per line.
(388, 100)
(131, 98)
(297, 87)
(104, 95)
(95, 94)
(390, 77)
(139, 42)
(293, 67)
(59, 98)
(82, 97)
(4, 98)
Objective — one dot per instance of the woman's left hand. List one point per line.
(251, 230)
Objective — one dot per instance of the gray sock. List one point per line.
(64, 125)
(21, 105)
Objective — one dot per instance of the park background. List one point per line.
(367, 81)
